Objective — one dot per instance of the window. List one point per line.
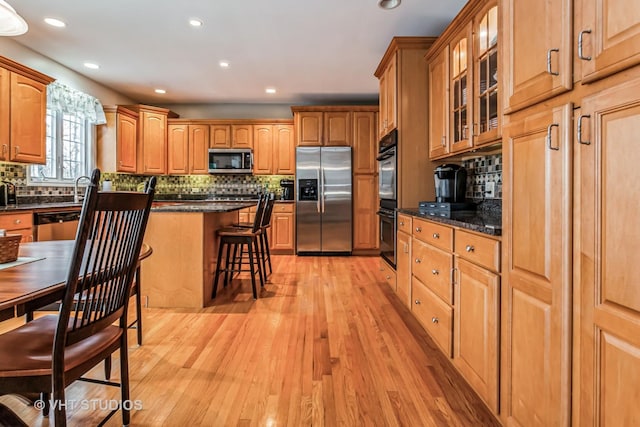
(70, 143)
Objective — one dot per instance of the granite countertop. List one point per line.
(487, 222)
(37, 206)
(203, 206)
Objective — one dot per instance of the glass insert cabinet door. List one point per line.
(486, 99)
(461, 92)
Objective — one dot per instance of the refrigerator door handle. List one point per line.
(322, 188)
(318, 196)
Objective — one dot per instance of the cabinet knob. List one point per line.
(401, 222)
(388, 277)
(435, 272)
(417, 302)
(434, 320)
(436, 236)
(418, 260)
(470, 248)
(418, 229)
(18, 221)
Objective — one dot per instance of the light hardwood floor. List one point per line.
(327, 343)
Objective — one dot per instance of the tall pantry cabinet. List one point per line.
(570, 294)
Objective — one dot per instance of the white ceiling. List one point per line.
(311, 51)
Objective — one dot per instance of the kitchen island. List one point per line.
(183, 238)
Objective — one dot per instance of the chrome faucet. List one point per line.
(76, 196)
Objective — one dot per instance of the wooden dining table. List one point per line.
(35, 284)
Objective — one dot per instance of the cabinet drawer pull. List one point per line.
(435, 272)
(417, 302)
(418, 229)
(436, 236)
(418, 260)
(434, 320)
(580, 52)
(470, 248)
(549, 69)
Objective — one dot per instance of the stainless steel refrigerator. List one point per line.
(324, 200)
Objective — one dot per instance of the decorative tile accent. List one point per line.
(200, 185)
(480, 171)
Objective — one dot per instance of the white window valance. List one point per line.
(68, 100)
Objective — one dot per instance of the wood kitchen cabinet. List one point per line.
(178, 149)
(536, 290)
(365, 206)
(607, 243)
(388, 80)
(538, 36)
(23, 99)
(220, 136)
(242, 136)
(365, 142)
(322, 126)
(284, 150)
(461, 92)
(439, 104)
(116, 140)
(403, 259)
(263, 149)
(18, 223)
(608, 39)
(487, 112)
(198, 149)
(282, 239)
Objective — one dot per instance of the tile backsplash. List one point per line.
(480, 171)
(221, 185)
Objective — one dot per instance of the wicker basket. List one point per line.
(9, 246)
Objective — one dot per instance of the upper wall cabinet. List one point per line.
(263, 150)
(242, 136)
(187, 148)
(365, 142)
(609, 37)
(315, 127)
(23, 103)
(117, 140)
(388, 98)
(284, 150)
(220, 136)
(464, 83)
(486, 120)
(539, 64)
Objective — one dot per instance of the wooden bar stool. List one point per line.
(230, 239)
(263, 239)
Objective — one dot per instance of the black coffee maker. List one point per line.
(451, 183)
(286, 189)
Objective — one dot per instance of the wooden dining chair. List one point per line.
(50, 352)
(9, 419)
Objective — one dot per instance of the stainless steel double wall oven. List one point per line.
(388, 189)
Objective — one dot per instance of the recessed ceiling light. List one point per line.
(91, 65)
(161, 91)
(224, 64)
(389, 4)
(55, 22)
(270, 90)
(195, 22)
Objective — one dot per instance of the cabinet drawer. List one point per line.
(388, 274)
(434, 315)
(404, 223)
(16, 221)
(433, 268)
(283, 207)
(437, 235)
(483, 251)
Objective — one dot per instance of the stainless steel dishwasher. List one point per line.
(60, 225)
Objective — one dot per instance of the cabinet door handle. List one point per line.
(550, 139)
(434, 320)
(5, 148)
(417, 302)
(580, 129)
(549, 68)
(435, 272)
(436, 236)
(444, 140)
(580, 39)
(418, 229)
(470, 248)
(17, 149)
(406, 248)
(418, 260)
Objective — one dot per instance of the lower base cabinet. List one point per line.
(451, 278)
(282, 228)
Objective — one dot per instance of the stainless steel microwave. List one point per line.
(230, 160)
